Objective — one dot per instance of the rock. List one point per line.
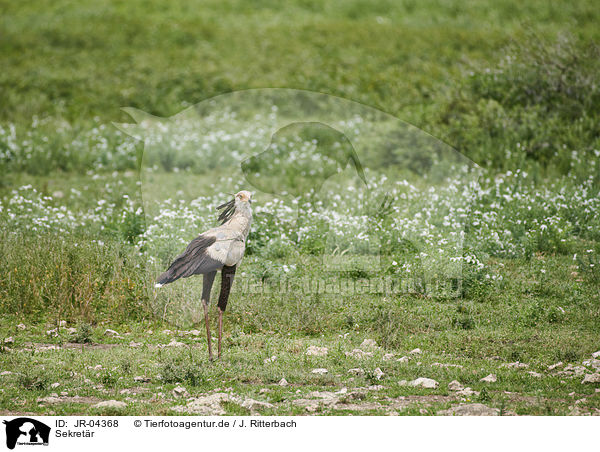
(53, 332)
(9, 340)
(316, 398)
(421, 381)
(375, 388)
(6, 372)
(180, 391)
(368, 343)
(270, 360)
(111, 404)
(388, 356)
(359, 354)
(111, 333)
(195, 332)
(467, 392)
(283, 382)
(535, 374)
(593, 363)
(455, 385)
(167, 332)
(416, 351)
(313, 350)
(342, 391)
(71, 330)
(55, 385)
(252, 404)
(471, 409)
(428, 383)
(404, 359)
(577, 371)
(264, 391)
(206, 405)
(458, 366)
(596, 354)
(356, 371)
(515, 365)
(62, 323)
(174, 343)
(51, 399)
(378, 373)
(319, 371)
(554, 366)
(591, 378)
(21, 326)
(135, 344)
(491, 378)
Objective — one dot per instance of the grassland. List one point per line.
(512, 86)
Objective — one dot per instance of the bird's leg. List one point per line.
(206, 286)
(207, 330)
(220, 330)
(227, 275)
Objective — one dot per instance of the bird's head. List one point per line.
(239, 204)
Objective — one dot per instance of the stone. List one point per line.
(71, 330)
(53, 332)
(270, 360)
(404, 359)
(471, 409)
(206, 405)
(133, 344)
(368, 343)
(416, 351)
(596, 354)
(180, 391)
(313, 350)
(111, 333)
(458, 366)
(378, 373)
(428, 383)
(283, 382)
(591, 378)
(9, 340)
(320, 371)
(455, 385)
(467, 392)
(388, 356)
(111, 404)
(6, 372)
(175, 343)
(55, 385)
(491, 378)
(252, 404)
(554, 366)
(535, 374)
(21, 326)
(359, 354)
(515, 365)
(356, 371)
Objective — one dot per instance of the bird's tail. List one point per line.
(165, 278)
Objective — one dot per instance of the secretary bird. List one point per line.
(220, 248)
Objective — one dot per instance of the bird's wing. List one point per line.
(229, 246)
(197, 258)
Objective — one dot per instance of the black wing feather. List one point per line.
(226, 215)
(193, 261)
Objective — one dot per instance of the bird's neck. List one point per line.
(240, 221)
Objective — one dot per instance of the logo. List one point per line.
(26, 431)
